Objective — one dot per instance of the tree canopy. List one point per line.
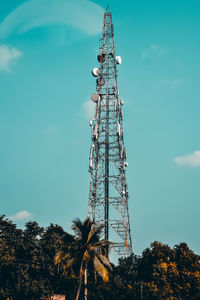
(28, 269)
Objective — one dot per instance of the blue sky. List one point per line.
(47, 50)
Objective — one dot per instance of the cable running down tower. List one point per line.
(108, 193)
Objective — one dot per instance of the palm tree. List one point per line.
(86, 249)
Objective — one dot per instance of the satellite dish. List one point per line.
(118, 60)
(95, 97)
(100, 81)
(101, 57)
(96, 72)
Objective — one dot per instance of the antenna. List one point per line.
(107, 8)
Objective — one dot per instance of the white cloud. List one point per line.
(151, 51)
(89, 109)
(81, 14)
(21, 215)
(191, 160)
(154, 46)
(51, 129)
(8, 55)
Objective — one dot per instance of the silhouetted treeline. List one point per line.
(28, 270)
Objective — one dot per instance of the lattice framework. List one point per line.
(108, 194)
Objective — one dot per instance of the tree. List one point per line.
(87, 251)
(28, 270)
(187, 285)
(29, 280)
(10, 238)
(126, 278)
(153, 271)
(55, 240)
(160, 272)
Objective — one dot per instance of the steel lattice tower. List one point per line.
(108, 194)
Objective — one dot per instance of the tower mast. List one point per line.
(108, 194)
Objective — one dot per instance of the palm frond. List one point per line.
(100, 245)
(68, 265)
(58, 258)
(87, 222)
(101, 270)
(77, 227)
(82, 229)
(105, 261)
(99, 229)
(91, 233)
(86, 256)
(95, 232)
(95, 275)
(104, 242)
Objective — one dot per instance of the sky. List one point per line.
(47, 51)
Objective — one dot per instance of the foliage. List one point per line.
(86, 252)
(28, 270)
(161, 273)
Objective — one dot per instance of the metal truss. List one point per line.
(108, 194)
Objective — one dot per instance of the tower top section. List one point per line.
(107, 8)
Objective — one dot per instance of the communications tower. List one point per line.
(108, 193)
